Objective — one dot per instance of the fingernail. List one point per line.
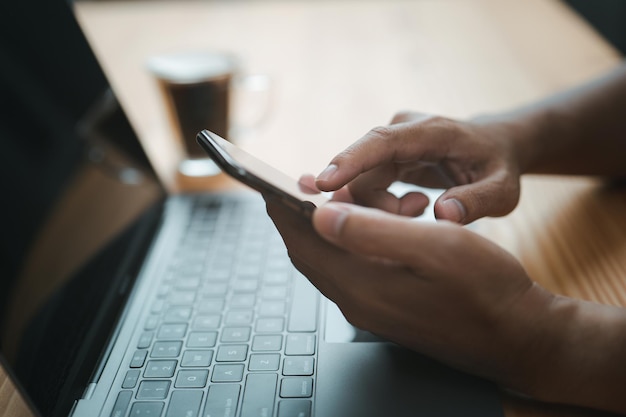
(333, 217)
(455, 211)
(327, 173)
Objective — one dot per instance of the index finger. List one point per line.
(383, 145)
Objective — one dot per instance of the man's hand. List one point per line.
(435, 288)
(474, 161)
(442, 290)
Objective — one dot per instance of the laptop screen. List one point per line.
(79, 197)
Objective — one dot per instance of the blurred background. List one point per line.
(340, 68)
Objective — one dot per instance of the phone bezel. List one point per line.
(289, 191)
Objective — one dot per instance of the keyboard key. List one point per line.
(245, 285)
(131, 378)
(227, 373)
(184, 403)
(303, 315)
(277, 276)
(164, 291)
(267, 343)
(187, 283)
(222, 401)
(239, 317)
(166, 349)
(296, 387)
(250, 269)
(157, 306)
(232, 353)
(226, 250)
(201, 339)
(214, 290)
(258, 395)
(197, 358)
(172, 331)
(272, 308)
(138, 359)
(294, 408)
(213, 305)
(145, 340)
(219, 272)
(236, 334)
(278, 292)
(192, 378)
(206, 322)
(278, 262)
(151, 322)
(153, 390)
(298, 365)
(146, 409)
(270, 325)
(188, 269)
(177, 315)
(121, 403)
(264, 362)
(160, 369)
(182, 298)
(242, 300)
(300, 344)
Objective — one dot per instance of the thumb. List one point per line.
(493, 196)
(373, 232)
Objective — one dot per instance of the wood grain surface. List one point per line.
(11, 402)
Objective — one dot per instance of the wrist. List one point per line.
(526, 135)
(523, 339)
(570, 351)
(520, 135)
(543, 347)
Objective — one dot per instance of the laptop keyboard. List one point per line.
(233, 328)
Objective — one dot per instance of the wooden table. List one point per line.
(340, 68)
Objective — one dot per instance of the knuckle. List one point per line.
(442, 123)
(407, 116)
(353, 154)
(381, 133)
(447, 124)
(403, 116)
(436, 119)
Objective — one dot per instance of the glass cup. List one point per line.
(199, 89)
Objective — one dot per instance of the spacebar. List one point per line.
(304, 306)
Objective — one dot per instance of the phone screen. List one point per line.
(259, 175)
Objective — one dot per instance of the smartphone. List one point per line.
(258, 175)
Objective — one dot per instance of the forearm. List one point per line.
(580, 131)
(578, 355)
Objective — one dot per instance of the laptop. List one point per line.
(119, 300)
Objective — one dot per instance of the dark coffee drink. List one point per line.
(197, 88)
(199, 105)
